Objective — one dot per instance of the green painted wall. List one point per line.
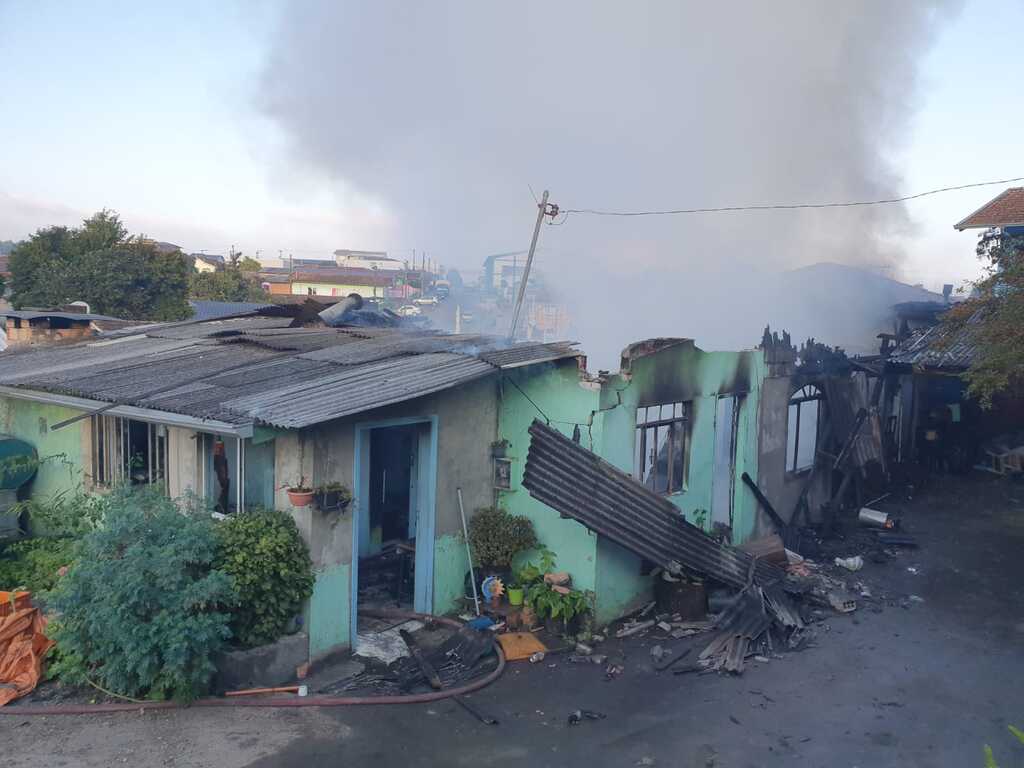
(557, 390)
(606, 412)
(329, 610)
(450, 566)
(61, 451)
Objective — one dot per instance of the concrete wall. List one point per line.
(783, 488)
(606, 414)
(558, 391)
(466, 427)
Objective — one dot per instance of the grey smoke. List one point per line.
(446, 111)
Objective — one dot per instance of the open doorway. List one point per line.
(394, 526)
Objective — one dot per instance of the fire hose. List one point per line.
(307, 701)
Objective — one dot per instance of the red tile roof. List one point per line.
(1006, 210)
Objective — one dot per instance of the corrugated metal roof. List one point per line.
(939, 348)
(360, 388)
(581, 485)
(250, 369)
(213, 310)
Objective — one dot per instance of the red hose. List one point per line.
(305, 701)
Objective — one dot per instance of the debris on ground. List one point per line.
(850, 563)
(577, 717)
(634, 628)
(23, 645)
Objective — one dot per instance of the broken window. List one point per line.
(127, 451)
(662, 443)
(802, 432)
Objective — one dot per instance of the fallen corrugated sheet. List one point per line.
(582, 486)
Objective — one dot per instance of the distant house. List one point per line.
(367, 260)
(328, 281)
(26, 328)
(1004, 212)
(207, 262)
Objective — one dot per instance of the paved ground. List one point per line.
(920, 686)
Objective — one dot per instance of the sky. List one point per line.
(301, 127)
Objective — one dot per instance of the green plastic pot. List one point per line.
(515, 596)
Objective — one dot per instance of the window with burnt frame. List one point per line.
(662, 443)
(802, 428)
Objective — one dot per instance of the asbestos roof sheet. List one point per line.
(349, 390)
(584, 487)
(257, 370)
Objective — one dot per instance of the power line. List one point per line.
(786, 206)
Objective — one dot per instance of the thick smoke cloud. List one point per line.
(446, 111)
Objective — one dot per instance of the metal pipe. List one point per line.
(238, 475)
(469, 552)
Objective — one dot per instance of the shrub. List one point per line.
(33, 564)
(142, 611)
(272, 574)
(496, 537)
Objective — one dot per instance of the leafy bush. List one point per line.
(545, 601)
(270, 567)
(59, 522)
(496, 537)
(142, 611)
(33, 564)
(70, 514)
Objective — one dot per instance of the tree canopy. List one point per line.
(100, 263)
(994, 316)
(236, 282)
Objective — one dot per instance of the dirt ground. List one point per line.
(925, 681)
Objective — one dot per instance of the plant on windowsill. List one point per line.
(332, 497)
(499, 448)
(299, 494)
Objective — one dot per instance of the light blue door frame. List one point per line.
(423, 506)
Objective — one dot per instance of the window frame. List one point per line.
(109, 443)
(808, 393)
(677, 425)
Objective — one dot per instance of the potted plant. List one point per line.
(528, 575)
(496, 537)
(499, 448)
(560, 611)
(332, 496)
(299, 494)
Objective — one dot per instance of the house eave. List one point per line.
(130, 412)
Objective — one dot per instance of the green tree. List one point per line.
(248, 264)
(40, 268)
(99, 263)
(993, 315)
(236, 282)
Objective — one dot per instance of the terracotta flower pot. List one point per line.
(300, 498)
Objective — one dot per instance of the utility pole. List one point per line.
(543, 209)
